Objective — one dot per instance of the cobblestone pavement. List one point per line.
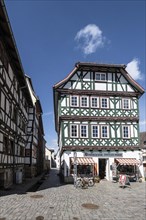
(54, 201)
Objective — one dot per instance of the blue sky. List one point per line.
(52, 36)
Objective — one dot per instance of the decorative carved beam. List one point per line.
(98, 118)
(72, 148)
(97, 93)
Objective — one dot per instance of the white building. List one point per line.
(97, 120)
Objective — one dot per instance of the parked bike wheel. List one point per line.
(90, 183)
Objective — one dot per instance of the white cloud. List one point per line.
(90, 38)
(133, 69)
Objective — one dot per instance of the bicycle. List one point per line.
(79, 182)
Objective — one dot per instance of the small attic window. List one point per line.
(100, 76)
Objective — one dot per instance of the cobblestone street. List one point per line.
(54, 201)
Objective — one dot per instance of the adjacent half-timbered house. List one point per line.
(34, 152)
(14, 104)
(97, 119)
(22, 144)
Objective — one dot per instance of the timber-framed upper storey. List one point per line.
(96, 107)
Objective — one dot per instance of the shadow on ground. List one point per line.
(45, 181)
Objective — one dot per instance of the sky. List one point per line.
(51, 36)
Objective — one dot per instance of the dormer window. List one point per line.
(100, 76)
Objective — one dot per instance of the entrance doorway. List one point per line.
(102, 168)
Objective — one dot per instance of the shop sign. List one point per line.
(104, 154)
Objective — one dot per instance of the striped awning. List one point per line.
(83, 160)
(127, 161)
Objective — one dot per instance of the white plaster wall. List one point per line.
(66, 132)
(68, 85)
(78, 86)
(112, 133)
(119, 88)
(131, 154)
(111, 105)
(86, 77)
(129, 88)
(63, 102)
(123, 80)
(109, 77)
(118, 105)
(134, 105)
(100, 86)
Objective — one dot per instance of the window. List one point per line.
(74, 131)
(12, 147)
(74, 101)
(84, 101)
(126, 104)
(21, 151)
(126, 133)
(83, 131)
(94, 102)
(94, 129)
(100, 76)
(104, 103)
(5, 145)
(104, 131)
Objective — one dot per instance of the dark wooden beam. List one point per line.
(97, 118)
(97, 93)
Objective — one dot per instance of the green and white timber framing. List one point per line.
(97, 113)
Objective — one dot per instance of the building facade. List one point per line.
(34, 151)
(20, 118)
(14, 104)
(97, 119)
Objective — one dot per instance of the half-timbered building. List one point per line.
(22, 141)
(97, 119)
(34, 151)
(14, 104)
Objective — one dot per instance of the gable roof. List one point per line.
(94, 66)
